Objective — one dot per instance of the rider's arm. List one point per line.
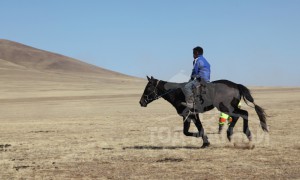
(196, 70)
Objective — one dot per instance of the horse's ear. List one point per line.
(152, 77)
(148, 78)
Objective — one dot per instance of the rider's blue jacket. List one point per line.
(201, 69)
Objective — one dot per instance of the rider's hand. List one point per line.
(199, 79)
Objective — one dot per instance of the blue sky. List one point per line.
(253, 42)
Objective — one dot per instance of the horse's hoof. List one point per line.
(205, 145)
(229, 138)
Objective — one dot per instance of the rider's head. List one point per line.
(197, 51)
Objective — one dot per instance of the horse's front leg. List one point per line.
(200, 128)
(186, 127)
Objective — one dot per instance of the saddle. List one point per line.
(198, 92)
(202, 93)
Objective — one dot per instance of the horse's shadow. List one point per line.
(237, 145)
(160, 147)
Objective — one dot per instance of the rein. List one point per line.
(156, 95)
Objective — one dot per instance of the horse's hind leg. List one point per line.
(235, 115)
(231, 126)
(246, 129)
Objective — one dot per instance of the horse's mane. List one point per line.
(173, 85)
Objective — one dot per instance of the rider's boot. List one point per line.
(189, 102)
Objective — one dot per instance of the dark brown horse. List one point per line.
(222, 94)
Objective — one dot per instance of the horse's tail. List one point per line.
(245, 93)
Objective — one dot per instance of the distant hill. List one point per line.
(19, 56)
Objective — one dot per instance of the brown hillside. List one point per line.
(35, 59)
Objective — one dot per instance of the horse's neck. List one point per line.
(172, 97)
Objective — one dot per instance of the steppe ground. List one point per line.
(56, 128)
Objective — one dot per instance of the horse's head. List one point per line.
(150, 92)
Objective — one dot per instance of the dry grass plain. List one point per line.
(56, 128)
(59, 121)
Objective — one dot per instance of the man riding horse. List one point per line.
(201, 71)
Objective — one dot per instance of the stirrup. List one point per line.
(188, 106)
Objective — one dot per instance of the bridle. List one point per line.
(156, 96)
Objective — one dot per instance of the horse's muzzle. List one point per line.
(143, 103)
